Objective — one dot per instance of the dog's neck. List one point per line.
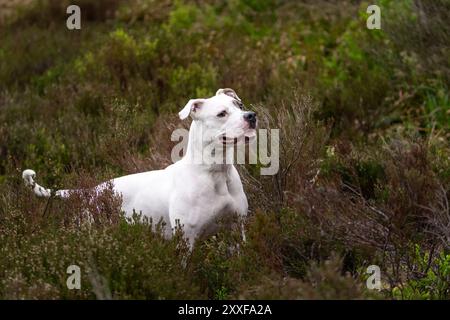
(197, 148)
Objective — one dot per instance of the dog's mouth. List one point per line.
(246, 138)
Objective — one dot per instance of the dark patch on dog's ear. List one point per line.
(229, 92)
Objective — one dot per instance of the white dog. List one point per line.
(192, 191)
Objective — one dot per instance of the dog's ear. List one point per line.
(228, 92)
(192, 106)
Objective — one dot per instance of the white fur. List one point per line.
(194, 193)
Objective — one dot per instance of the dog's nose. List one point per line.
(250, 117)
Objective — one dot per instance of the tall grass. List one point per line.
(364, 158)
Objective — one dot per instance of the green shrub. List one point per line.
(364, 155)
(430, 279)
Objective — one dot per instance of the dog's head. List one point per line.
(222, 118)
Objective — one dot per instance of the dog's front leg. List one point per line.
(178, 223)
(242, 225)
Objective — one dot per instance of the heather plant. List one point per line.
(364, 174)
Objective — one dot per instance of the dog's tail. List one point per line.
(29, 175)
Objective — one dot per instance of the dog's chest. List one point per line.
(220, 204)
(211, 197)
(218, 199)
(218, 213)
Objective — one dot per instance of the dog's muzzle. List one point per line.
(250, 117)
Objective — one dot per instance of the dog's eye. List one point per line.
(241, 105)
(222, 114)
